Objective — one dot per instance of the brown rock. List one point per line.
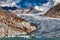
(12, 25)
(54, 12)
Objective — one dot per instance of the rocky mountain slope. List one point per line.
(53, 12)
(12, 25)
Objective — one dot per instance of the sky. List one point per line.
(30, 3)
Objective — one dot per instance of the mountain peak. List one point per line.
(54, 11)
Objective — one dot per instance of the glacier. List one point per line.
(46, 27)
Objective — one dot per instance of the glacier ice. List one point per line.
(46, 27)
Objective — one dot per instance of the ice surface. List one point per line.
(46, 27)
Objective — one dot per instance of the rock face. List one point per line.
(12, 25)
(53, 12)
